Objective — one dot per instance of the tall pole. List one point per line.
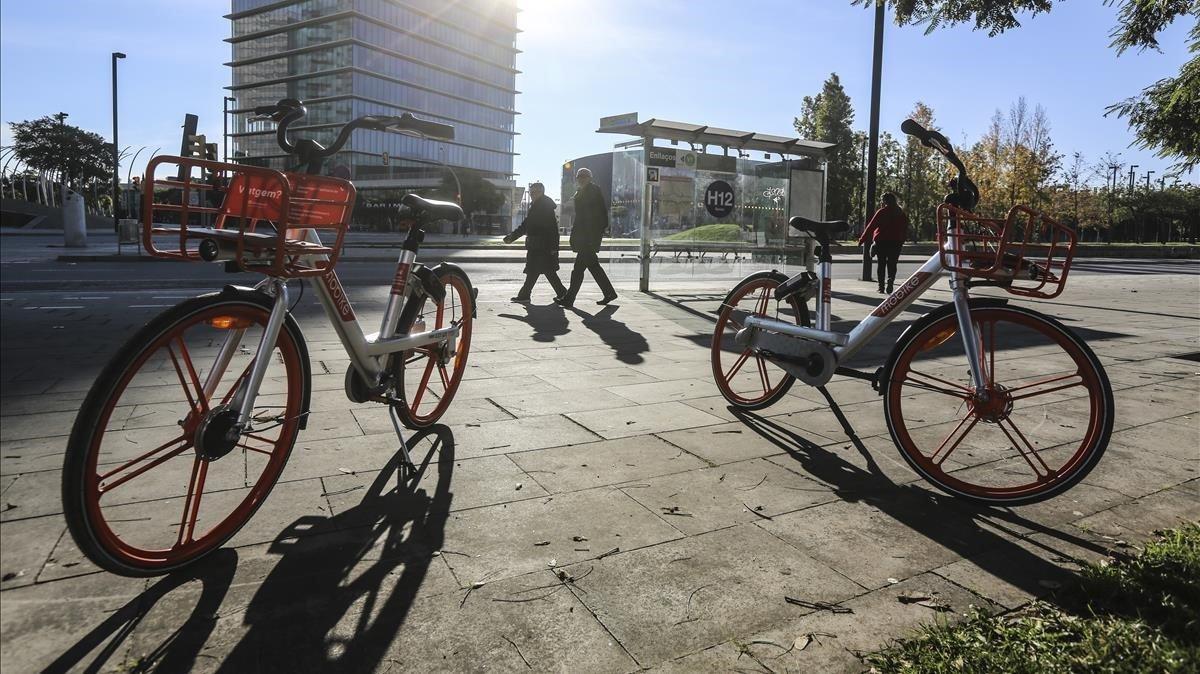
(225, 127)
(62, 117)
(116, 185)
(1131, 175)
(873, 144)
(1148, 174)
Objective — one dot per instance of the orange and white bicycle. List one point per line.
(991, 402)
(191, 423)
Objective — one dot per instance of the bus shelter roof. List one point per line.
(712, 135)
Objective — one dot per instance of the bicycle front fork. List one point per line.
(247, 393)
(970, 336)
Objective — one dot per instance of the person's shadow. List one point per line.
(329, 608)
(548, 322)
(627, 344)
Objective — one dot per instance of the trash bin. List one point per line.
(74, 220)
(129, 231)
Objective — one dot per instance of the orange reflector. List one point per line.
(940, 338)
(229, 322)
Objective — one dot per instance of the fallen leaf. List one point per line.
(542, 543)
(802, 642)
(579, 539)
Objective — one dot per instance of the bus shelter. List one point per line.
(684, 188)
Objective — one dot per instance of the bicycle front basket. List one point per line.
(1027, 253)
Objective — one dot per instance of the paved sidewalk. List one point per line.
(591, 505)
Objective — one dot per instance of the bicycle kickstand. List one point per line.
(406, 464)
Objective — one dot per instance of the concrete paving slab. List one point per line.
(708, 589)
(554, 402)
(24, 547)
(502, 540)
(733, 493)
(898, 535)
(518, 435)
(629, 421)
(836, 639)
(1136, 521)
(719, 407)
(606, 462)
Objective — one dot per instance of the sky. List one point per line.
(742, 66)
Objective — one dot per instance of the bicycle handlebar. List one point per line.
(289, 110)
(939, 142)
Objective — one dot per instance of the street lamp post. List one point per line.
(873, 149)
(225, 127)
(62, 172)
(116, 185)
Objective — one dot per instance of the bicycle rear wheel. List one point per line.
(746, 379)
(428, 377)
(1044, 425)
(151, 483)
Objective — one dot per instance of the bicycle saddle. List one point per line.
(439, 210)
(819, 228)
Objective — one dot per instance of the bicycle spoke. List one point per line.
(1022, 451)
(187, 391)
(925, 386)
(236, 383)
(256, 449)
(104, 489)
(1049, 390)
(424, 385)
(445, 379)
(762, 371)
(191, 504)
(737, 365)
(974, 420)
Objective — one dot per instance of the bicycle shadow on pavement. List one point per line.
(548, 321)
(179, 651)
(970, 531)
(337, 607)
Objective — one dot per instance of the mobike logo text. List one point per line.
(895, 299)
(260, 193)
(330, 280)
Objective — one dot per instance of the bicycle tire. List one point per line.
(961, 482)
(81, 495)
(765, 281)
(413, 389)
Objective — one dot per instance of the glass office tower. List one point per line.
(452, 61)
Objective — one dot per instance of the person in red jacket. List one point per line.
(887, 229)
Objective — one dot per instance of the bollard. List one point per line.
(74, 220)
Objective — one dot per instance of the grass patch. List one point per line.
(1141, 614)
(725, 232)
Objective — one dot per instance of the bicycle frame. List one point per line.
(368, 353)
(846, 345)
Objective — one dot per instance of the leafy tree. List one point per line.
(1163, 116)
(827, 117)
(922, 185)
(79, 157)
(1014, 161)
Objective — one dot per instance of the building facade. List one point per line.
(452, 61)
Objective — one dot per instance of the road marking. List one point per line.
(85, 298)
(149, 306)
(171, 297)
(74, 307)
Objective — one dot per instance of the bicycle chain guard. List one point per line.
(807, 360)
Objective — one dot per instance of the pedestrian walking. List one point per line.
(540, 229)
(887, 230)
(587, 232)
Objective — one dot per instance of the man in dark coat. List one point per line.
(540, 229)
(591, 222)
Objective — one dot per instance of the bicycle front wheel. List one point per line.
(1042, 424)
(428, 377)
(151, 480)
(745, 378)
